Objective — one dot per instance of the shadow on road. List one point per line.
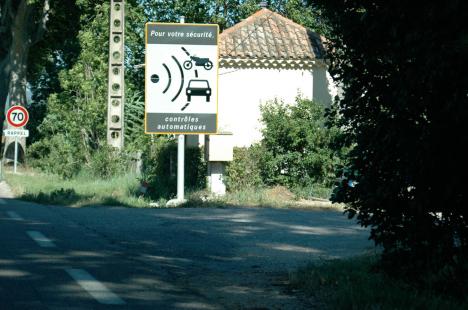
(170, 258)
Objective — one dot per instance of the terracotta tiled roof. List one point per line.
(268, 35)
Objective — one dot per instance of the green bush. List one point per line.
(56, 155)
(107, 162)
(299, 149)
(160, 168)
(244, 171)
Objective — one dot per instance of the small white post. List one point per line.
(181, 156)
(180, 167)
(16, 155)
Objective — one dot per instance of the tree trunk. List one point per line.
(4, 83)
(15, 69)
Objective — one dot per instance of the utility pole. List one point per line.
(116, 87)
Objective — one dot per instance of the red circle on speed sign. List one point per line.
(17, 116)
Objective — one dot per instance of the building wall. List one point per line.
(242, 91)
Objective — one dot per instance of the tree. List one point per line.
(36, 37)
(299, 150)
(226, 13)
(75, 114)
(22, 24)
(69, 81)
(402, 70)
(75, 110)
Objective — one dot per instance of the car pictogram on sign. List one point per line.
(198, 88)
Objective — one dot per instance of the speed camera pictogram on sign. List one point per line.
(17, 116)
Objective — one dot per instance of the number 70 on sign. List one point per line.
(17, 116)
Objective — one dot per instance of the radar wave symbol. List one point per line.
(155, 78)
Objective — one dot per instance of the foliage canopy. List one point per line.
(404, 99)
(69, 81)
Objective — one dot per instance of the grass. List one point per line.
(80, 191)
(247, 197)
(313, 191)
(275, 197)
(85, 190)
(354, 283)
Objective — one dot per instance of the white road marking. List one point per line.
(40, 239)
(95, 288)
(14, 216)
(2, 201)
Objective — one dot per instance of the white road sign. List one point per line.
(181, 78)
(16, 133)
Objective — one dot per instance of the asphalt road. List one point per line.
(55, 257)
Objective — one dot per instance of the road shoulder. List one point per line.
(5, 190)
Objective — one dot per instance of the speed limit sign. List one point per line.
(17, 116)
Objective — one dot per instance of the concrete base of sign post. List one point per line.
(175, 202)
(217, 171)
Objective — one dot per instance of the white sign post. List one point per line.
(17, 116)
(181, 84)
